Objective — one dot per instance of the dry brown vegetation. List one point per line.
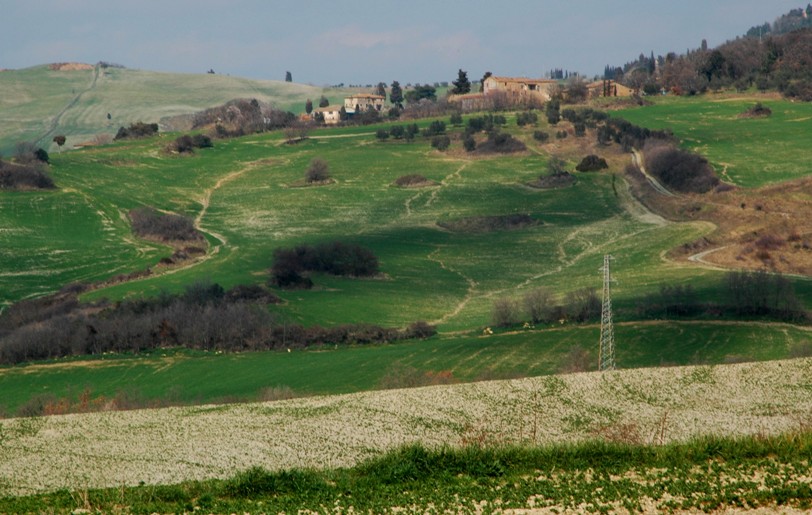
(768, 227)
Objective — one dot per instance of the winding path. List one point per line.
(638, 161)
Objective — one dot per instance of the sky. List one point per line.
(327, 42)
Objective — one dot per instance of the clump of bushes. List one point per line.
(26, 152)
(478, 224)
(317, 172)
(743, 294)
(592, 163)
(204, 316)
(242, 116)
(147, 222)
(188, 144)
(526, 118)
(412, 180)
(540, 136)
(501, 142)
(22, 177)
(290, 266)
(441, 143)
(680, 169)
(435, 128)
(757, 111)
(538, 306)
(137, 130)
(556, 179)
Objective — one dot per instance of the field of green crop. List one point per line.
(186, 377)
(38, 103)
(749, 152)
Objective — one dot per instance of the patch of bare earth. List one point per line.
(764, 228)
(70, 67)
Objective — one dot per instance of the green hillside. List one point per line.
(749, 152)
(37, 103)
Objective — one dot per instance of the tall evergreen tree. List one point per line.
(462, 85)
(380, 89)
(309, 106)
(396, 94)
(288, 77)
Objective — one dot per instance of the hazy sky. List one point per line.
(362, 41)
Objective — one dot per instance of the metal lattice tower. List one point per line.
(606, 360)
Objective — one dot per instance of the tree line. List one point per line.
(204, 316)
(768, 57)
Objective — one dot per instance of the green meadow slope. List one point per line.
(38, 103)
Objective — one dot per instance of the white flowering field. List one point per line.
(175, 444)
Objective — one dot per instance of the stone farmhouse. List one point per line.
(609, 88)
(363, 102)
(521, 88)
(331, 114)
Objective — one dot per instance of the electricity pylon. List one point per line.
(606, 360)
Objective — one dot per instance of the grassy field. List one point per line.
(195, 378)
(39, 103)
(244, 193)
(168, 446)
(749, 152)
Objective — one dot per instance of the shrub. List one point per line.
(680, 169)
(184, 144)
(334, 258)
(137, 130)
(540, 136)
(501, 142)
(19, 177)
(561, 134)
(456, 119)
(440, 142)
(583, 305)
(397, 131)
(592, 163)
(382, 134)
(404, 181)
(505, 312)
(526, 118)
(318, 171)
(435, 128)
(149, 223)
(469, 143)
(757, 111)
(538, 304)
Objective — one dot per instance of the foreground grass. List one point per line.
(172, 445)
(597, 476)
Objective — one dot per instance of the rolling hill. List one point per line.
(40, 102)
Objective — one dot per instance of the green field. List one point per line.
(749, 152)
(198, 377)
(253, 205)
(39, 103)
(248, 197)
